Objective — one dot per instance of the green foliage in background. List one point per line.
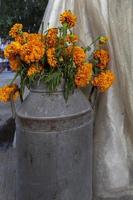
(27, 12)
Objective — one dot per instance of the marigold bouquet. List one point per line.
(56, 55)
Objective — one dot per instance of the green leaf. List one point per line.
(96, 70)
(88, 48)
(43, 60)
(52, 80)
(69, 76)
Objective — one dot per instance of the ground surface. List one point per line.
(7, 173)
(7, 154)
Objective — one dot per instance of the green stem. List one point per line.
(94, 41)
(13, 108)
(21, 97)
(14, 78)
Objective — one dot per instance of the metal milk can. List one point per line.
(54, 146)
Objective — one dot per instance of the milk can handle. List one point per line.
(13, 108)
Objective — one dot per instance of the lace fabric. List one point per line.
(113, 130)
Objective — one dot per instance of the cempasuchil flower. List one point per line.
(103, 58)
(51, 37)
(8, 92)
(12, 50)
(104, 80)
(32, 51)
(33, 70)
(35, 37)
(79, 55)
(72, 38)
(15, 64)
(69, 18)
(51, 56)
(103, 40)
(22, 38)
(84, 75)
(16, 30)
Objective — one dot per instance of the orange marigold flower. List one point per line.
(22, 39)
(51, 56)
(15, 64)
(79, 55)
(7, 92)
(35, 37)
(104, 80)
(33, 69)
(16, 95)
(32, 51)
(69, 18)
(72, 38)
(103, 40)
(12, 50)
(51, 37)
(15, 30)
(103, 58)
(83, 75)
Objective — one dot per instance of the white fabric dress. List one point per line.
(113, 131)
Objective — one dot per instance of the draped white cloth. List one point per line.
(113, 130)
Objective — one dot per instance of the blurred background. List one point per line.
(27, 12)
